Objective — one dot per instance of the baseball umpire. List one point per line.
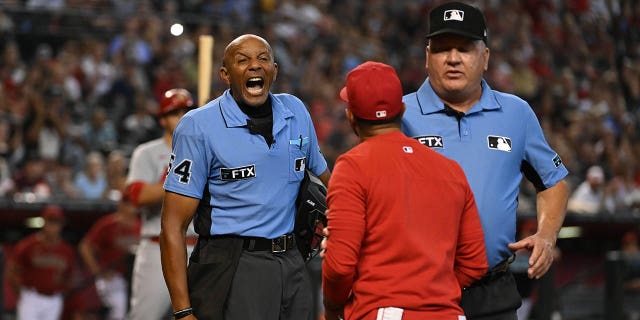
(237, 165)
(497, 139)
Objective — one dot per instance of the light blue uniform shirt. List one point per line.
(495, 142)
(246, 187)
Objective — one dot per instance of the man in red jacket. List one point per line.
(405, 232)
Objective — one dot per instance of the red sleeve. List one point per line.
(471, 257)
(346, 201)
(134, 189)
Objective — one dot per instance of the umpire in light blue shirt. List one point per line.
(236, 167)
(497, 139)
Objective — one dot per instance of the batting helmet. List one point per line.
(174, 99)
(311, 206)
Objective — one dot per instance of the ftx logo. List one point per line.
(431, 141)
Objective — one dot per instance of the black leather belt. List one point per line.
(277, 245)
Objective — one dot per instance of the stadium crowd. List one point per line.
(76, 100)
(66, 106)
(69, 103)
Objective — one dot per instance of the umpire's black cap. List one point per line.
(458, 18)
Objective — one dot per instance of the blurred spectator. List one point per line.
(100, 134)
(140, 126)
(60, 180)
(45, 130)
(29, 181)
(121, 99)
(130, 43)
(618, 194)
(9, 143)
(46, 4)
(116, 173)
(92, 182)
(13, 70)
(10, 139)
(589, 196)
(97, 70)
(105, 250)
(39, 268)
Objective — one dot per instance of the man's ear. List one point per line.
(352, 121)
(224, 75)
(349, 115)
(426, 55)
(275, 72)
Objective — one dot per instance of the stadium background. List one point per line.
(95, 69)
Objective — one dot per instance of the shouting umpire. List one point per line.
(236, 167)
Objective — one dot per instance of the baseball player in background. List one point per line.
(405, 232)
(239, 162)
(40, 267)
(104, 250)
(147, 170)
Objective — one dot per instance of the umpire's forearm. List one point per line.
(174, 267)
(552, 205)
(177, 212)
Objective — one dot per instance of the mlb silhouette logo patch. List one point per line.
(457, 15)
(499, 143)
(381, 114)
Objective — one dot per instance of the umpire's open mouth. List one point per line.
(255, 85)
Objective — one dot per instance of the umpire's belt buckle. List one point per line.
(279, 244)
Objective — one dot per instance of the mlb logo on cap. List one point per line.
(454, 15)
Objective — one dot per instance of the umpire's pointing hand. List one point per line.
(542, 252)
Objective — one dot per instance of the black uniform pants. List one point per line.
(493, 297)
(270, 286)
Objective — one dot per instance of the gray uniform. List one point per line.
(149, 294)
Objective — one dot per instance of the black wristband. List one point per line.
(182, 313)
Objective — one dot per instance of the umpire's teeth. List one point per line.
(255, 82)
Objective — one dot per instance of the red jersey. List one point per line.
(112, 240)
(404, 231)
(44, 266)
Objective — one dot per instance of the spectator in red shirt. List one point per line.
(405, 232)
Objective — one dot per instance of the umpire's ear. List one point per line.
(224, 75)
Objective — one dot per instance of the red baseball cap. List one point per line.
(175, 99)
(373, 91)
(52, 212)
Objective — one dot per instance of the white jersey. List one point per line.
(149, 163)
